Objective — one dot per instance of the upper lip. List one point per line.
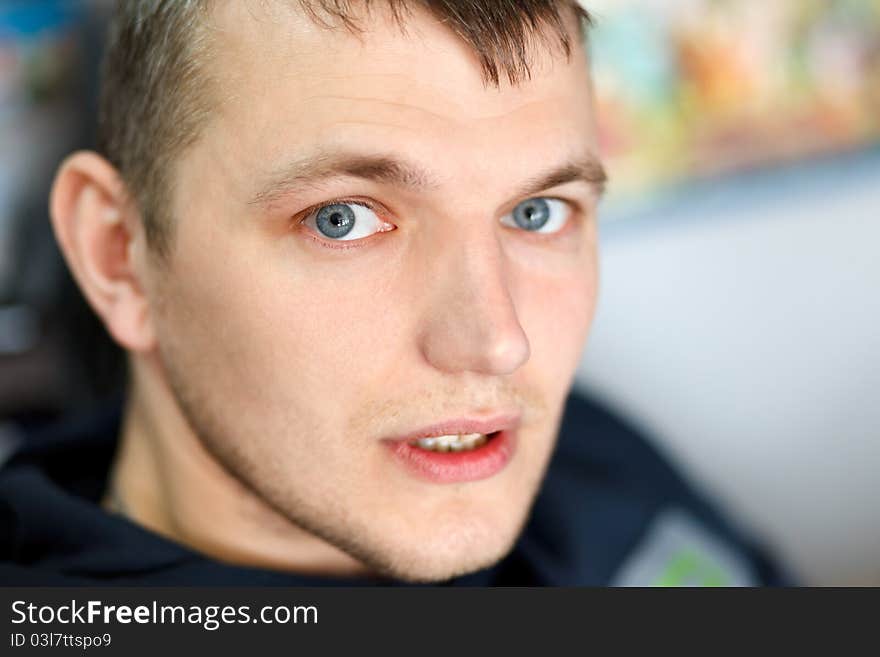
(464, 425)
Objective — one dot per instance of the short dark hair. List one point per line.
(155, 92)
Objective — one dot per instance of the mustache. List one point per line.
(448, 399)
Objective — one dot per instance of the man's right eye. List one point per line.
(345, 221)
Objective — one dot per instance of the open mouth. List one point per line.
(454, 443)
(458, 450)
(456, 457)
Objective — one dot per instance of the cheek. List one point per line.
(556, 313)
(270, 333)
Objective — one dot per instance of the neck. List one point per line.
(164, 479)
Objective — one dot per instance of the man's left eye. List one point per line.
(539, 215)
(345, 221)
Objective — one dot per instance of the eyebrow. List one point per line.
(586, 169)
(314, 170)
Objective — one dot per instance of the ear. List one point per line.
(101, 236)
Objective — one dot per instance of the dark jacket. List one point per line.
(611, 511)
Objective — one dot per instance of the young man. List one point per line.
(350, 250)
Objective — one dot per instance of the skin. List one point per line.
(267, 366)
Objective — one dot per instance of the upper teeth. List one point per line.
(454, 443)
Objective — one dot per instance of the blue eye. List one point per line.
(345, 221)
(539, 215)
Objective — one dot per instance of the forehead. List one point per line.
(285, 83)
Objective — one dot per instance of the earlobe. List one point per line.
(99, 232)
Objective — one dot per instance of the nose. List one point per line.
(470, 323)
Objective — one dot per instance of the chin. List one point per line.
(431, 569)
(459, 549)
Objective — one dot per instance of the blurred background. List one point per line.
(739, 319)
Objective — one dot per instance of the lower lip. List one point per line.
(455, 467)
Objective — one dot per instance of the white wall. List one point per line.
(740, 323)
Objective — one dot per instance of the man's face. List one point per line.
(449, 281)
